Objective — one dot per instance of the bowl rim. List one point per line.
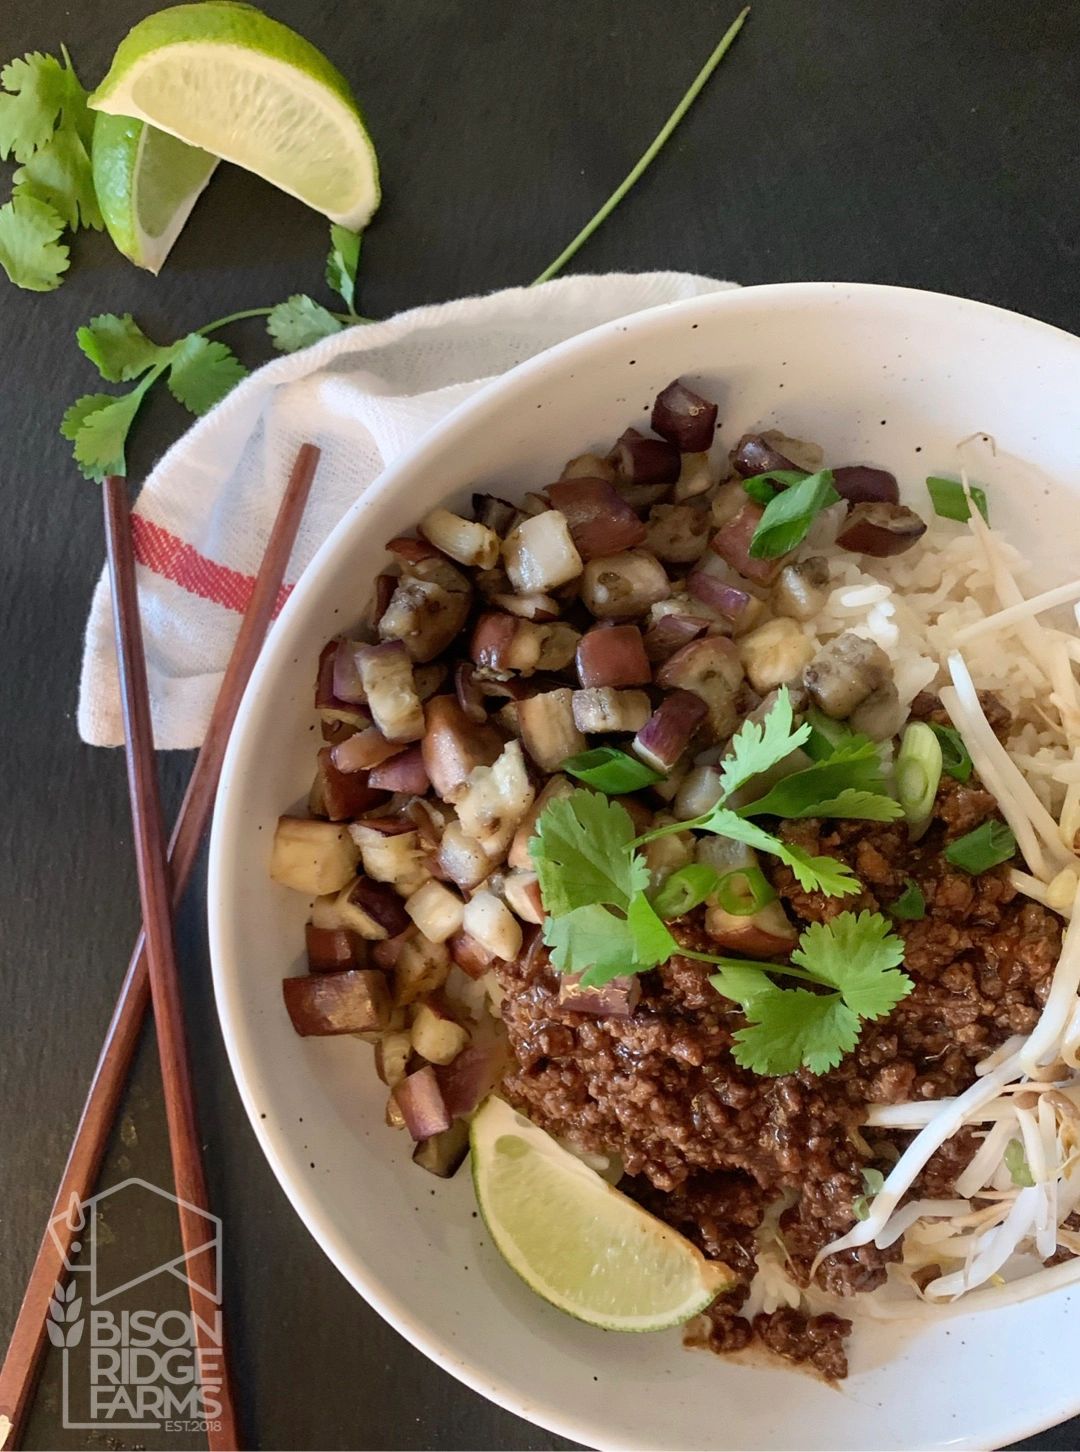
(301, 1193)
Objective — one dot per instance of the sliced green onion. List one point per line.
(954, 754)
(685, 889)
(918, 774)
(744, 892)
(825, 734)
(610, 770)
(789, 515)
(986, 847)
(764, 487)
(911, 904)
(950, 502)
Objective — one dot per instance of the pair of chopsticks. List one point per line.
(152, 972)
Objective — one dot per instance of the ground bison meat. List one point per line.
(707, 1145)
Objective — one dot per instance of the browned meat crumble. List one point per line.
(708, 1146)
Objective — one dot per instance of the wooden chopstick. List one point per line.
(25, 1352)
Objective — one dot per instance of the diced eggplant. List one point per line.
(468, 1080)
(801, 589)
(859, 484)
(844, 672)
(342, 795)
(540, 554)
(363, 750)
(443, 1154)
(421, 968)
(461, 858)
(725, 854)
(402, 773)
(420, 1100)
(428, 678)
(490, 923)
(329, 705)
(881, 714)
(518, 856)
(588, 466)
(726, 502)
(522, 893)
(710, 668)
(695, 478)
(604, 709)
(495, 800)
(372, 909)
(387, 673)
(558, 645)
(435, 910)
(321, 1004)
(641, 460)
(312, 857)
(469, 955)
(494, 513)
(428, 609)
(435, 1034)
(504, 643)
(880, 530)
(678, 534)
(616, 587)
(386, 953)
(412, 550)
(699, 791)
(392, 1057)
(774, 653)
(600, 520)
(453, 746)
(753, 455)
(764, 934)
(546, 723)
(346, 678)
(615, 999)
(668, 732)
(732, 543)
(462, 539)
(613, 655)
(733, 601)
(385, 585)
(469, 695)
(324, 913)
(331, 950)
(665, 855)
(670, 633)
(394, 857)
(538, 608)
(684, 418)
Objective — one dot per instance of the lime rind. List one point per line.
(231, 81)
(575, 1240)
(147, 183)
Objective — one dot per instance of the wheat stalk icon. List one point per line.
(64, 1326)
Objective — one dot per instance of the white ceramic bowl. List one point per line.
(876, 375)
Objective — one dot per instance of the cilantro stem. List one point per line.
(650, 155)
(240, 317)
(692, 824)
(765, 967)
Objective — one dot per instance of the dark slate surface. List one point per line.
(930, 144)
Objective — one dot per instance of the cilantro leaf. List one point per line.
(1016, 1163)
(29, 251)
(37, 88)
(849, 783)
(794, 1028)
(202, 373)
(815, 874)
(300, 321)
(98, 425)
(117, 347)
(857, 954)
(342, 264)
(653, 942)
(58, 173)
(581, 854)
(788, 517)
(911, 904)
(592, 941)
(757, 746)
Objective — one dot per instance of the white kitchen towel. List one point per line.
(364, 396)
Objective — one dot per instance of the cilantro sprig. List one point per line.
(856, 956)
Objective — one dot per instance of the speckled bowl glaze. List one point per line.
(876, 375)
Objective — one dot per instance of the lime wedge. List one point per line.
(147, 183)
(227, 79)
(575, 1240)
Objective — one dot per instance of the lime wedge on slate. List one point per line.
(147, 183)
(229, 80)
(576, 1241)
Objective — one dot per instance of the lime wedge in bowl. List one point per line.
(577, 1241)
(146, 183)
(229, 80)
